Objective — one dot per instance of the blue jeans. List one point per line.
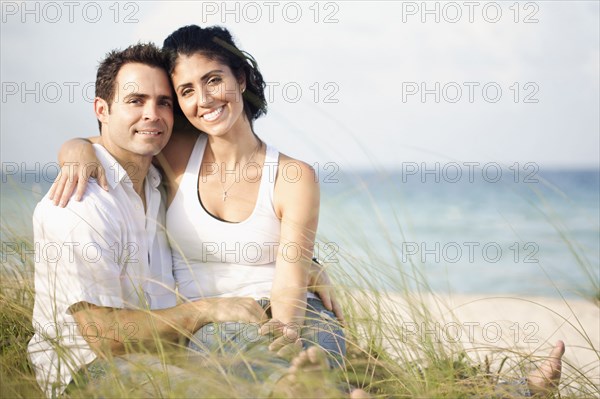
(320, 328)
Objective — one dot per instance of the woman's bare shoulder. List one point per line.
(293, 169)
(296, 182)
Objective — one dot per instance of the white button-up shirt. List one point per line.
(102, 250)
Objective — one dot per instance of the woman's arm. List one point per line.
(297, 203)
(78, 163)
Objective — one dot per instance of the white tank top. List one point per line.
(215, 258)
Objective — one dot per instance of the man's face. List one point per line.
(140, 120)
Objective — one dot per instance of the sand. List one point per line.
(504, 326)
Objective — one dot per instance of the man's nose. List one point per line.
(151, 111)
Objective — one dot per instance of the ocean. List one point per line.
(507, 233)
(458, 228)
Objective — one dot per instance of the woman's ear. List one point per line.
(242, 83)
(101, 109)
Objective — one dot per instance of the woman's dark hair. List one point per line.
(216, 43)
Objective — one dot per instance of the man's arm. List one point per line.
(320, 284)
(110, 330)
(96, 291)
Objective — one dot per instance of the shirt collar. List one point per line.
(153, 176)
(116, 174)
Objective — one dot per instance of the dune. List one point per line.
(497, 327)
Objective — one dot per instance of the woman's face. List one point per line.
(209, 94)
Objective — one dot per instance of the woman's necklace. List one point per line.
(225, 190)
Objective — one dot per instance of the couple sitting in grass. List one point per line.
(238, 241)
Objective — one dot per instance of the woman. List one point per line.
(238, 225)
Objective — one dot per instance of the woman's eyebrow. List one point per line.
(203, 78)
(207, 74)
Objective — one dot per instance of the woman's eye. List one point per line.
(186, 92)
(214, 81)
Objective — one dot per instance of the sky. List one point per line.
(366, 85)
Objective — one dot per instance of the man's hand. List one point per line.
(245, 310)
(320, 284)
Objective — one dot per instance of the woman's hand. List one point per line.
(320, 284)
(75, 176)
(285, 338)
(78, 163)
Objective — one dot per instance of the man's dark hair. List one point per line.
(142, 53)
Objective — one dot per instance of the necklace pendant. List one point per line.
(224, 195)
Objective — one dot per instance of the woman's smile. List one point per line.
(213, 115)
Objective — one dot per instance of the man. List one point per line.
(103, 272)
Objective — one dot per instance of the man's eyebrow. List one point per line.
(204, 77)
(136, 95)
(143, 96)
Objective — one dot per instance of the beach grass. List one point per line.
(394, 346)
(382, 358)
